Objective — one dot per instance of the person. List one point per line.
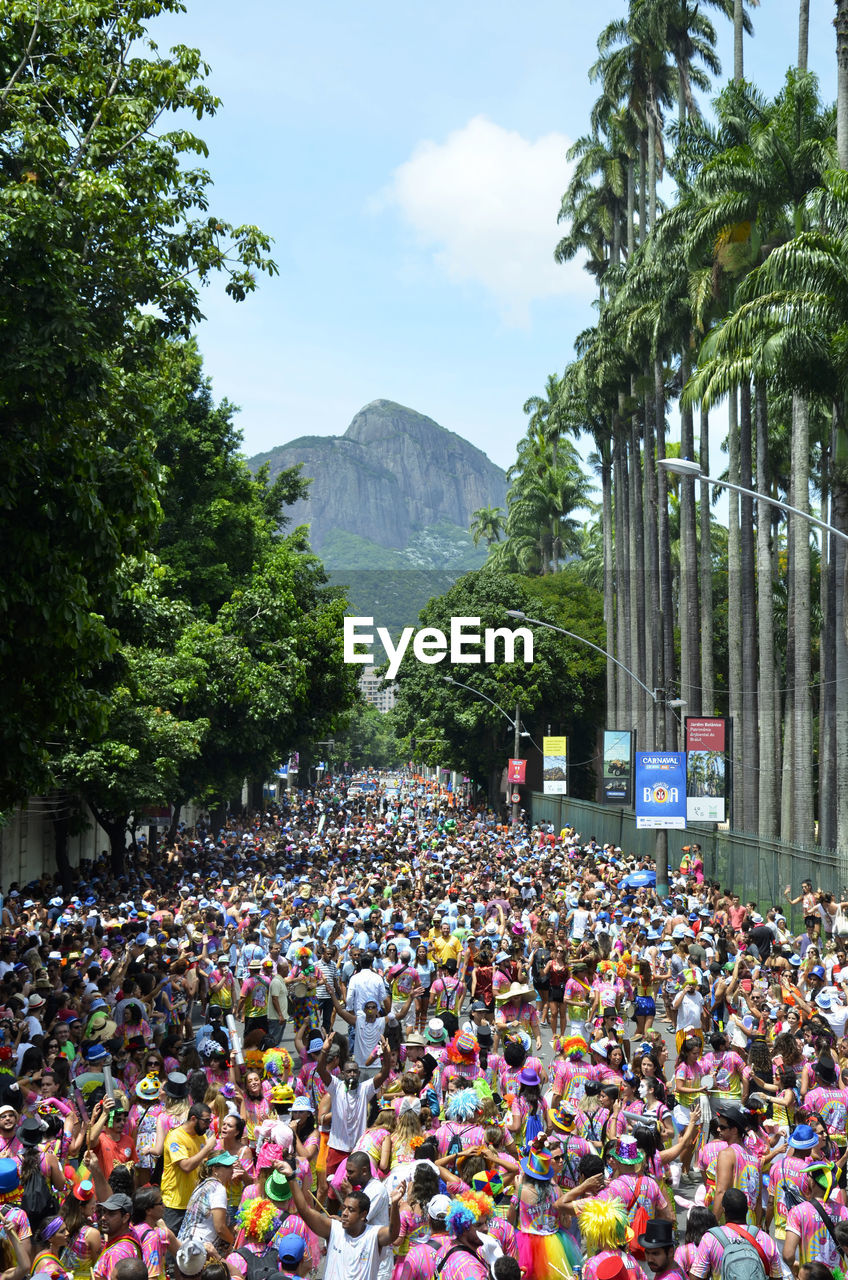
(353, 1248)
(810, 1225)
(659, 1242)
(186, 1148)
(464, 1259)
(130, 1269)
(604, 1231)
(735, 1166)
(148, 1228)
(708, 1260)
(115, 1214)
(206, 1212)
(349, 1100)
(292, 1255)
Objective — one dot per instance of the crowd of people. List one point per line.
(387, 1037)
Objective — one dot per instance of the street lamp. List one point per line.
(692, 470)
(516, 726)
(657, 696)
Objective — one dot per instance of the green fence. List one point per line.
(755, 868)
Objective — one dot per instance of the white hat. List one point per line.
(191, 1258)
(439, 1207)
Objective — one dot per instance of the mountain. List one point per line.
(396, 491)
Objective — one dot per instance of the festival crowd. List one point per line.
(385, 1038)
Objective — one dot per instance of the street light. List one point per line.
(692, 470)
(658, 698)
(516, 726)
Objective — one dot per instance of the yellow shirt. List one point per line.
(177, 1186)
(446, 949)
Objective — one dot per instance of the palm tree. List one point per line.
(487, 525)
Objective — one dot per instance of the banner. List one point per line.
(660, 790)
(517, 771)
(618, 766)
(706, 768)
(555, 766)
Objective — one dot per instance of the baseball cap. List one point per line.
(290, 1249)
(115, 1203)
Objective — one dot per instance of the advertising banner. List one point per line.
(618, 766)
(555, 766)
(517, 771)
(660, 790)
(706, 768)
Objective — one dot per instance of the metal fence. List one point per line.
(755, 868)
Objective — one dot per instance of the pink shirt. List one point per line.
(421, 1261)
(650, 1194)
(708, 1260)
(814, 1242)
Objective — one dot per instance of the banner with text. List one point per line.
(517, 771)
(618, 766)
(555, 766)
(706, 768)
(660, 789)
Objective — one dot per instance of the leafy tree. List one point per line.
(105, 234)
(366, 739)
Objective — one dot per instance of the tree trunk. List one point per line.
(738, 36)
(787, 790)
(652, 173)
(622, 637)
(116, 829)
(827, 708)
(841, 25)
(652, 561)
(176, 810)
(609, 587)
(767, 797)
(664, 550)
(689, 612)
(643, 185)
(802, 744)
(639, 649)
(803, 33)
(734, 612)
(61, 823)
(631, 205)
(707, 663)
(839, 509)
(750, 736)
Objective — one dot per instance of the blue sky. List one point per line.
(408, 161)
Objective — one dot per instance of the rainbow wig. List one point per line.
(462, 1048)
(467, 1211)
(573, 1046)
(603, 1225)
(464, 1105)
(277, 1063)
(259, 1220)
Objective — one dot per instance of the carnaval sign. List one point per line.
(517, 771)
(660, 790)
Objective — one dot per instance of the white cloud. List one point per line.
(485, 202)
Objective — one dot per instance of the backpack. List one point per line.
(533, 1127)
(639, 1222)
(38, 1200)
(741, 1256)
(260, 1266)
(455, 1144)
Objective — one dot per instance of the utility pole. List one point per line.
(515, 750)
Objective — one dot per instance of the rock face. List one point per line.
(391, 475)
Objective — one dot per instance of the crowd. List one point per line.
(386, 1037)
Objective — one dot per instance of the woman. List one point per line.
(645, 1007)
(206, 1216)
(555, 974)
(544, 1249)
(426, 972)
(79, 1212)
(577, 997)
(231, 1141)
(50, 1240)
(687, 1086)
(398, 1147)
(527, 1116)
(255, 1103)
(540, 954)
(700, 1221)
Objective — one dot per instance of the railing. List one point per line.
(757, 869)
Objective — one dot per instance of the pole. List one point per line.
(515, 750)
(661, 714)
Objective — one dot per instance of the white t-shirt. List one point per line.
(349, 1115)
(689, 1011)
(368, 1037)
(352, 1257)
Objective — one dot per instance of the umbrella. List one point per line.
(640, 879)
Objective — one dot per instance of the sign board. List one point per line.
(516, 797)
(706, 768)
(517, 771)
(555, 766)
(618, 766)
(660, 790)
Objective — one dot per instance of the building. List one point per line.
(377, 692)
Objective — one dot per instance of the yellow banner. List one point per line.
(554, 746)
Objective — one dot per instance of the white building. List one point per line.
(377, 692)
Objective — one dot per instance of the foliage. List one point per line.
(366, 740)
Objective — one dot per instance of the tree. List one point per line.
(486, 525)
(106, 234)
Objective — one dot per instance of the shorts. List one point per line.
(644, 1007)
(556, 995)
(334, 1159)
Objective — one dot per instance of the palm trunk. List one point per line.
(738, 36)
(734, 612)
(631, 205)
(652, 171)
(706, 567)
(643, 185)
(826, 705)
(839, 508)
(841, 25)
(787, 793)
(622, 639)
(803, 33)
(639, 649)
(802, 743)
(750, 737)
(689, 612)
(652, 561)
(768, 824)
(664, 549)
(609, 589)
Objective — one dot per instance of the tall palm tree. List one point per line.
(487, 525)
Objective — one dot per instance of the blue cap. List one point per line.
(817, 971)
(290, 1249)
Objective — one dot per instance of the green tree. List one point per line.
(106, 234)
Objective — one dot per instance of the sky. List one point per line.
(409, 163)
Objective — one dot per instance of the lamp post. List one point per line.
(519, 733)
(659, 697)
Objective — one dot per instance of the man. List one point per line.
(130, 1269)
(809, 1226)
(688, 1004)
(349, 1100)
(735, 1166)
(828, 1099)
(185, 1150)
(253, 1004)
(366, 985)
(115, 1214)
(294, 1260)
(278, 1001)
(708, 1260)
(358, 1178)
(659, 1245)
(788, 1173)
(353, 1248)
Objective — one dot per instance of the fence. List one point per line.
(757, 869)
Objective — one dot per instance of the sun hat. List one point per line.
(537, 1164)
(803, 1137)
(191, 1258)
(414, 1040)
(625, 1151)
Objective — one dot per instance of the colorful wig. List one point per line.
(603, 1225)
(277, 1064)
(573, 1046)
(464, 1105)
(253, 1060)
(462, 1047)
(259, 1220)
(468, 1210)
